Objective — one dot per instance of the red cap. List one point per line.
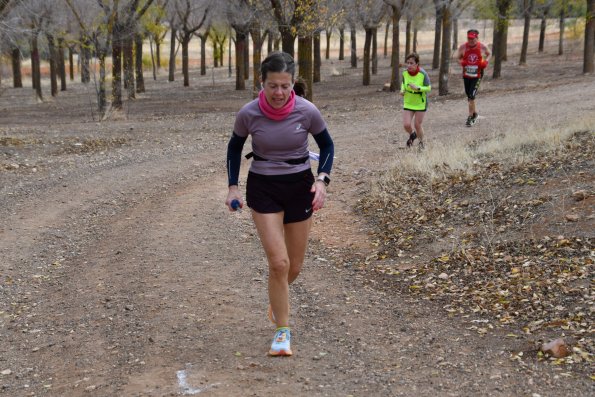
(472, 35)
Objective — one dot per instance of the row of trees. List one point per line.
(116, 30)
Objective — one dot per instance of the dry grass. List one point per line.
(515, 147)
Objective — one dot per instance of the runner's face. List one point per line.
(277, 88)
(472, 41)
(411, 65)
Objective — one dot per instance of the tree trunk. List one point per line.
(117, 68)
(35, 67)
(158, 54)
(101, 93)
(499, 45)
(395, 76)
(240, 43)
(542, 31)
(61, 64)
(437, 33)
(327, 53)
(140, 78)
(527, 10)
(374, 52)
(408, 36)
(341, 44)
(52, 61)
(216, 54)
(153, 66)
(203, 54)
(222, 53)
(317, 58)
(561, 37)
(353, 47)
(247, 58)
(589, 37)
(229, 58)
(505, 43)
(445, 53)
(85, 56)
(386, 38)
(71, 63)
(270, 42)
(287, 40)
(172, 55)
(305, 63)
(415, 39)
(367, 48)
(128, 53)
(17, 76)
(455, 34)
(257, 43)
(185, 72)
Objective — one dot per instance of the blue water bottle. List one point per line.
(235, 205)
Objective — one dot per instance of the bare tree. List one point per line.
(7, 31)
(543, 9)
(332, 16)
(563, 11)
(239, 18)
(156, 31)
(369, 15)
(125, 16)
(446, 48)
(285, 15)
(34, 17)
(439, 7)
(189, 18)
(397, 7)
(92, 21)
(500, 24)
(527, 11)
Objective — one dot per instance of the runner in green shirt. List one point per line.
(414, 89)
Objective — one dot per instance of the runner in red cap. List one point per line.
(473, 57)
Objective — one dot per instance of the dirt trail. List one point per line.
(123, 273)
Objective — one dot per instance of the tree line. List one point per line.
(118, 30)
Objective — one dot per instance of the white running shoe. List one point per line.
(281, 343)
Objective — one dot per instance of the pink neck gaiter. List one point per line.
(272, 113)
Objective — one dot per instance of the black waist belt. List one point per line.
(256, 157)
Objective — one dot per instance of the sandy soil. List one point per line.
(123, 274)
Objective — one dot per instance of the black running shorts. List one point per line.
(289, 194)
(471, 86)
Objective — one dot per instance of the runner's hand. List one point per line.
(319, 190)
(233, 194)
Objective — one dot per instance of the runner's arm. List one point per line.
(487, 52)
(327, 151)
(234, 158)
(461, 54)
(427, 86)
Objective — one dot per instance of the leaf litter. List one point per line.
(493, 246)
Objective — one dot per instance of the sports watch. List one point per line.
(324, 179)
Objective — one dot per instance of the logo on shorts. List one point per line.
(308, 210)
(299, 126)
